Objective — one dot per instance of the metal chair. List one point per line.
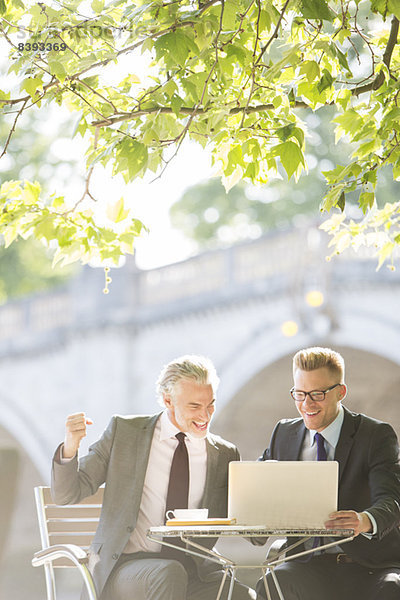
(66, 533)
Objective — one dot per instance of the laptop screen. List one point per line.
(282, 494)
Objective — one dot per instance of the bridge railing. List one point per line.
(268, 265)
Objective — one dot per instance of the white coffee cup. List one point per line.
(188, 514)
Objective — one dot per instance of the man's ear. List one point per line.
(343, 391)
(167, 400)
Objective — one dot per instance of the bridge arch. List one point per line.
(255, 384)
(22, 426)
(359, 329)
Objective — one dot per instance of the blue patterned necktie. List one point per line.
(321, 452)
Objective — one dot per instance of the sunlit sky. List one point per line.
(149, 199)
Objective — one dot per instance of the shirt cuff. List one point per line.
(374, 531)
(64, 461)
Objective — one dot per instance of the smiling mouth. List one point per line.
(200, 426)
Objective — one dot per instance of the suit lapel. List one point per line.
(212, 460)
(295, 442)
(140, 447)
(346, 440)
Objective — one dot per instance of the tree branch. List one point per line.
(275, 34)
(387, 57)
(13, 128)
(187, 111)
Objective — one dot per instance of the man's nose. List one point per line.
(204, 414)
(308, 399)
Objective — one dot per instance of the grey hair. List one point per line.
(190, 366)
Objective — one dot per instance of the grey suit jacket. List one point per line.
(119, 459)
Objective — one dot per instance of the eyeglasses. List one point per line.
(317, 395)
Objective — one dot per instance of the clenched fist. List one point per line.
(75, 431)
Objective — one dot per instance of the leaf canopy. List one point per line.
(229, 74)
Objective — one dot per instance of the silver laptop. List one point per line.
(282, 494)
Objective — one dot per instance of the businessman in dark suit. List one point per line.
(367, 450)
(134, 459)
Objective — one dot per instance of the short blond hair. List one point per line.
(310, 359)
(190, 366)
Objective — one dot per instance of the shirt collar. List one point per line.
(168, 430)
(332, 432)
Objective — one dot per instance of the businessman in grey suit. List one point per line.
(367, 450)
(134, 458)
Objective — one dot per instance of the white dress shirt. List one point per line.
(152, 504)
(331, 437)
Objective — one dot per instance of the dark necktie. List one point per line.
(177, 495)
(178, 487)
(321, 452)
(321, 455)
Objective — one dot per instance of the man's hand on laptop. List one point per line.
(349, 519)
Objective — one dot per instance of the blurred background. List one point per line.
(241, 277)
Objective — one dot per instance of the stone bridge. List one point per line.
(248, 307)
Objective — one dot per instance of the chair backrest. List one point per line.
(68, 524)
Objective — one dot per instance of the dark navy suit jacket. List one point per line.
(369, 479)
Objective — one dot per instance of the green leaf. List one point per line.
(3, 7)
(10, 234)
(57, 69)
(384, 253)
(366, 200)
(116, 212)
(231, 13)
(176, 104)
(341, 203)
(175, 48)
(58, 202)
(170, 88)
(45, 229)
(316, 9)
(291, 156)
(265, 20)
(332, 197)
(31, 192)
(342, 60)
(325, 82)
(97, 6)
(235, 159)
(285, 132)
(310, 68)
(386, 7)
(31, 84)
(350, 121)
(394, 7)
(370, 177)
(137, 159)
(237, 52)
